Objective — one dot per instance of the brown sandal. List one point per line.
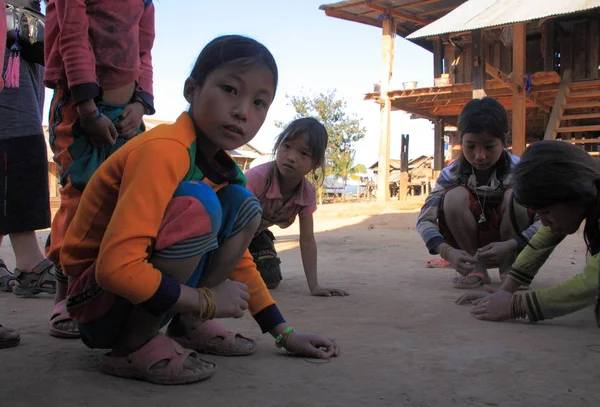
(41, 279)
(8, 337)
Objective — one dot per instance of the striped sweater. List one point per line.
(427, 222)
(564, 298)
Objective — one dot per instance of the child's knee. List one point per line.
(241, 210)
(458, 198)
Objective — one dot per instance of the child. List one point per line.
(98, 61)
(561, 182)
(284, 193)
(468, 217)
(169, 212)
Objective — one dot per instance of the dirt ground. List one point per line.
(404, 342)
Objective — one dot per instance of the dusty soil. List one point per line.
(404, 341)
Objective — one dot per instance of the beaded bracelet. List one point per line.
(517, 311)
(279, 341)
(206, 296)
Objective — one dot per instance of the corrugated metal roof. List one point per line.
(476, 14)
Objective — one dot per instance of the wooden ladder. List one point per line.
(565, 111)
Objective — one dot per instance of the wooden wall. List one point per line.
(576, 46)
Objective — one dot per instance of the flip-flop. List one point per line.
(60, 315)
(212, 338)
(460, 281)
(143, 363)
(437, 263)
(8, 337)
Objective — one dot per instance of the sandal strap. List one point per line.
(41, 274)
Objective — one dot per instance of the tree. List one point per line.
(346, 168)
(343, 129)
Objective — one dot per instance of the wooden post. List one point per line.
(438, 57)
(593, 40)
(383, 176)
(548, 45)
(478, 74)
(438, 148)
(403, 168)
(519, 102)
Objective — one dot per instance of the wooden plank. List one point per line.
(516, 88)
(559, 106)
(566, 53)
(582, 141)
(416, 4)
(438, 10)
(548, 45)
(519, 102)
(478, 76)
(584, 105)
(584, 116)
(466, 65)
(578, 129)
(400, 15)
(344, 15)
(496, 55)
(593, 38)
(587, 94)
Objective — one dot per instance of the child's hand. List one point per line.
(311, 346)
(497, 252)
(101, 131)
(131, 119)
(319, 291)
(231, 298)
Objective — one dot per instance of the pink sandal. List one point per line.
(461, 281)
(141, 363)
(59, 315)
(212, 338)
(437, 263)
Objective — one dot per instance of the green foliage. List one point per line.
(343, 129)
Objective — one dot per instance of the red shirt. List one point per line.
(94, 44)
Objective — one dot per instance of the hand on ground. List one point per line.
(497, 252)
(231, 298)
(461, 261)
(131, 119)
(472, 297)
(494, 307)
(311, 346)
(319, 291)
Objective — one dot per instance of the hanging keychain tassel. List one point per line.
(11, 77)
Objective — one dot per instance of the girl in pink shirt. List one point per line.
(284, 193)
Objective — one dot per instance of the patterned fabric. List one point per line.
(453, 175)
(263, 182)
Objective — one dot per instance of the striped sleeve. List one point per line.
(534, 255)
(427, 221)
(528, 234)
(570, 296)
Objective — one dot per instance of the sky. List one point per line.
(314, 53)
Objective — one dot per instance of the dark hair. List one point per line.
(317, 143)
(242, 50)
(553, 172)
(485, 116)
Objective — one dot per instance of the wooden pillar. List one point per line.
(548, 45)
(519, 102)
(438, 57)
(593, 40)
(478, 75)
(403, 188)
(438, 148)
(383, 176)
